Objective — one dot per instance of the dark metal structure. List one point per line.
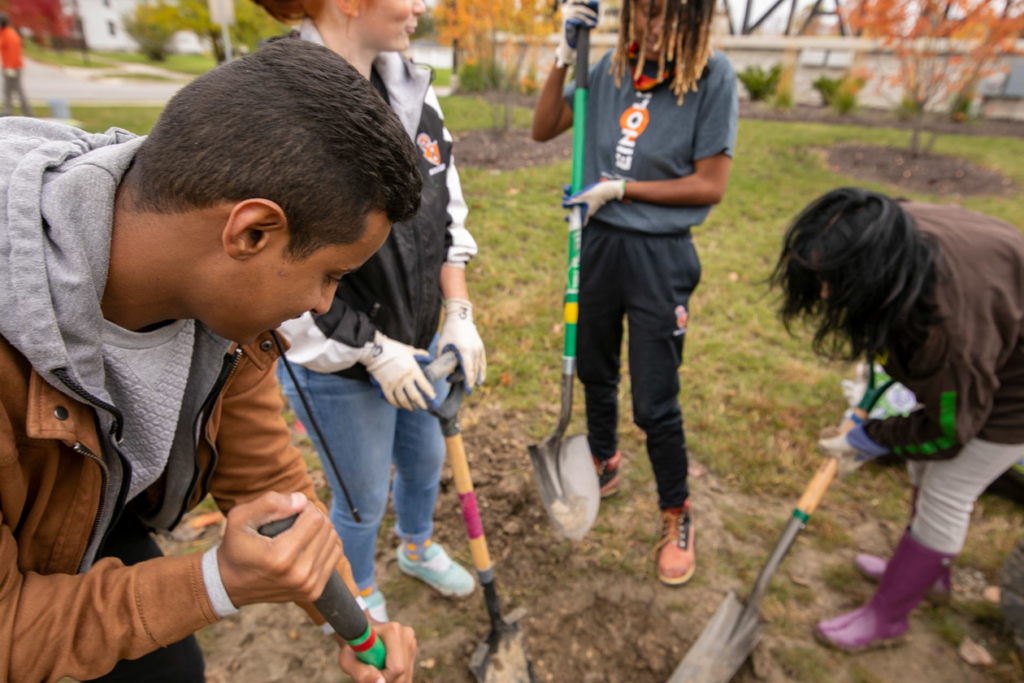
(817, 10)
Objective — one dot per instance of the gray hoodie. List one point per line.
(58, 185)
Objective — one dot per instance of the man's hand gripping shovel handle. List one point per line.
(340, 609)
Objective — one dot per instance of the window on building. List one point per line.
(112, 28)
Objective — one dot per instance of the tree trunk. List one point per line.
(915, 138)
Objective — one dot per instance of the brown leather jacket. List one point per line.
(55, 622)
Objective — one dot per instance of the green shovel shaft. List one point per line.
(579, 124)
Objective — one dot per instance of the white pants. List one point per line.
(947, 490)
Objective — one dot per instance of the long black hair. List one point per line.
(879, 270)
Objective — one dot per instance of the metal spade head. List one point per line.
(503, 657)
(723, 645)
(568, 483)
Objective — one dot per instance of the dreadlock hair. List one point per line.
(685, 40)
(879, 269)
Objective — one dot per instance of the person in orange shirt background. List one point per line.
(10, 53)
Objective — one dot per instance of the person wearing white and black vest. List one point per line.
(659, 144)
(360, 364)
(936, 295)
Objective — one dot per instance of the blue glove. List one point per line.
(592, 197)
(576, 14)
(859, 439)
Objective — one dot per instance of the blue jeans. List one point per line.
(367, 436)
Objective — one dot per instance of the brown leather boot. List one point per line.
(676, 559)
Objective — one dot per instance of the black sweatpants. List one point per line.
(648, 279)
(181, 662)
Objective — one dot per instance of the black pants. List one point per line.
(649, 279)
(181, 662)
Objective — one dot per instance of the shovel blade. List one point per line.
(723, 645)
(569, 488)
(503, 657)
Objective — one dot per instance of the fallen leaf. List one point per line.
(975, 654)
(429, 663)
(205, 520)
(991, 594)
(734, 277)
(513, 191)
(696, 471)
(293, 635)
(505, 378)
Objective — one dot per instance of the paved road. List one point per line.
(43, 81)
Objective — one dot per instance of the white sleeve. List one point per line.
(463, 246)
(311, 349)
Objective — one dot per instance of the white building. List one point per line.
(104, 31)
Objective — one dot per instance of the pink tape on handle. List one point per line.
(470, 515)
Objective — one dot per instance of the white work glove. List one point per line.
(394, 367)
(593, 197)
(852, 449)
(459, 334)
(576, 14)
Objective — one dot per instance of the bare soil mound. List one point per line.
(926, 173)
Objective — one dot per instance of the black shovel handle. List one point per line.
(447, 365)
(340, 609)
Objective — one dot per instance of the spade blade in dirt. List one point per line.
(503, 657)
(565, 474)
(723, 645)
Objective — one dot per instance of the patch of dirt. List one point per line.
(591, 615)
(927, 173)
(490, 148)
(878, 118)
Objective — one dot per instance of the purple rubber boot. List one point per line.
(873, 567)
(913, 570)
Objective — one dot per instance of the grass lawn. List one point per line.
(188, 64)
(442, 77)
(65, 57)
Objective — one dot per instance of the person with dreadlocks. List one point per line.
(936, 295)
(659, 149)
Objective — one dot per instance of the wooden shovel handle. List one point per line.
(815, 491)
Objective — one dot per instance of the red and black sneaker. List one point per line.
(608, 474)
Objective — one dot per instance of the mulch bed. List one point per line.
(490, 148)
(926, 173)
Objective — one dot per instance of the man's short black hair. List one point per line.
(293, 123)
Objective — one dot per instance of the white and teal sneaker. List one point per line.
(376, 606)
(438, 571)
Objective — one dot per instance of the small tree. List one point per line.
(152, 25)
(252, 24)
(944, 47)
(495, 37)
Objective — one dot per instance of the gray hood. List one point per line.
(58, 186)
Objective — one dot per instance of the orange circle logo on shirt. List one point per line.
(634, 119)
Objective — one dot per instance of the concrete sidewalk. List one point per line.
(78, 86)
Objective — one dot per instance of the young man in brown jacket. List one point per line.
(138, 279)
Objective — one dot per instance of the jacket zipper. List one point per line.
(105, 482)
(226, 372)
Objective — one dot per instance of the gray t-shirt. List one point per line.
(649, 136)
(146, 374)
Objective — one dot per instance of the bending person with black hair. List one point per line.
(936, 295)
(659, 149)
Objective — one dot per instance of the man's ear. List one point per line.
(252, 226)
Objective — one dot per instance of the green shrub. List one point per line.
(844, 101)
(152, 26)
(827, 88)
(760, 84)
(961, 109)
(908, 109)
(479, 76)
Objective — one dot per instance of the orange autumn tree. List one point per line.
(496, 37)
(944, 47)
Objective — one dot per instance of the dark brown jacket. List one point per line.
(55, 622)
(969, 373)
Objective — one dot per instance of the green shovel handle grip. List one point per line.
(340, 609)
(579, 123)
